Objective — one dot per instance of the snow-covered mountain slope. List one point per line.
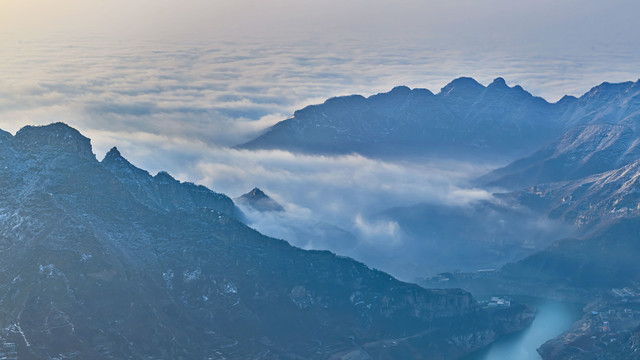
(581, 151)
(99, 260)
(606, 103)
(590, 200)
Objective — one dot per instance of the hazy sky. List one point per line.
(174, 84)
(541, 23)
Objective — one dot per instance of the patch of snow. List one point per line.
(47, 270)
(190, 276)
(230, 288)
(168, 277)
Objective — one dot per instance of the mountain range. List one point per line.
(574, 162)
(101, 260)
(465, 119)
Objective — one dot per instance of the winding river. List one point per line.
(552, 319)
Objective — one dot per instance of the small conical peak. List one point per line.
(260, 201)
(116, 163)
(256, 192)
(112, 155)
(114, 152)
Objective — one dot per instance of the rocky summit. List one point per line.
(101, 260)
(258, 200)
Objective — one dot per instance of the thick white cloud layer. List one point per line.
(180, 106)
(225, 93)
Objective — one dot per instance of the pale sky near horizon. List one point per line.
(550, 23)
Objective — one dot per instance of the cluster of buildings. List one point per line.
(8, 351)
(617, 315)
(625, 293)
(496, 302)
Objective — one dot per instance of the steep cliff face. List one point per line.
(100, 260)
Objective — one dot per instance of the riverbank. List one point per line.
(606, 330)
(552, 319)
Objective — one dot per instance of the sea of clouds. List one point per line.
(181, 107)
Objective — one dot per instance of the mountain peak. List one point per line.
(608, 90)
(114, 152)
(54, 139)
(164, 177)
(567, 99)
(402, 89)
(260, 201)
(117, 164)
(113, 157)
(257, 193)
(499, 82)
(461, 84)
(58, 128)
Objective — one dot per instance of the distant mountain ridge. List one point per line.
(464, 119)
